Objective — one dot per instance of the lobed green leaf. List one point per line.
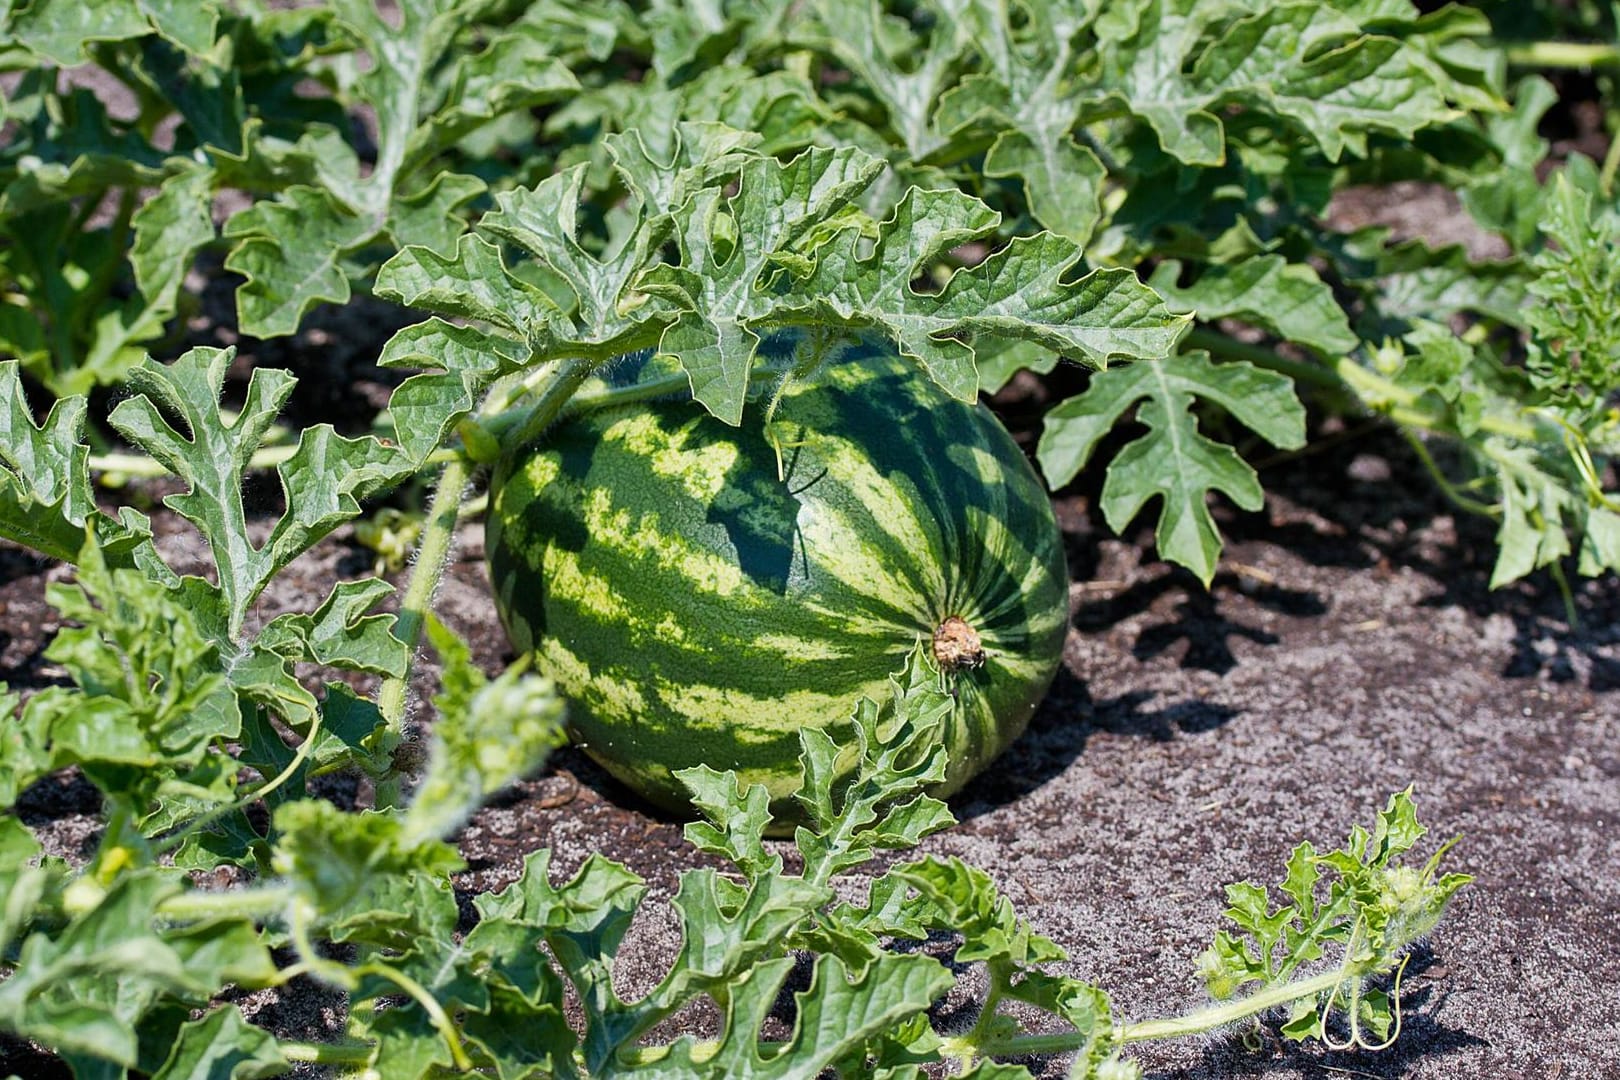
(63, 31)
(46, 502)
(1023, 292)
(1173, 461)
(221, 1045)
(1287, 299)
(322, 482)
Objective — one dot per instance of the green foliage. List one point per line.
(83, 987)
(1575, 351)
(1371, 907)
(782, 252)
(112, 958)
(790, 167)
(46, 500)
(426, 96)
(1274, 108)
(103, 214)
(491, 733)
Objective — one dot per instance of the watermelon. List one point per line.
(700, 592)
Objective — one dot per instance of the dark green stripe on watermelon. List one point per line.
(697, 607)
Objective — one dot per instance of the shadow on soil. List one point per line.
(20, 1059)
(1198, 619)
(16, 564)
(1373, 493)
(1421, 1039)
(1057, 736)
(1368, 502)
(1065, 722)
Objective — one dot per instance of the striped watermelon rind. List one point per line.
(697, 606)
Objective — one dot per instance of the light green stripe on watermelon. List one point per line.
(698, 607)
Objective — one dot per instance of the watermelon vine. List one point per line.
(596, 208)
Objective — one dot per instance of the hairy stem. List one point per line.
(552, 391)
(102, 281)
(1217, 1016)
(1563, 54)
(1000, 975)
(1196, 1023)
(515, 428)
(246, 798)
(1405, 407)
(1344, 375)
(1447, 488)
(678, 384)
(139, 465)
(1230, 348)
(432, 554)
(300, 914)
(198, 905)
(437, 535)
(440, 1019)
(343, 1054)
(1611, 159)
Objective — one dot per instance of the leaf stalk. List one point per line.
(441, 1021)
(438, 536)
(1346, 376)
(1217, 1016)
(1563, 54)
(678, 384)
(199, 905)
(139, 466)
(250, 796)
(550, 395)
(343, 1054)
(1195, 1023)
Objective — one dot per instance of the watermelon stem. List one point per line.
(551, 387)
(432, 553)
(957, 645)
(354, 1055)
(548, 390)
(664, 386)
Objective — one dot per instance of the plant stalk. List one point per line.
(587, 401)
(1611, 159)
(1346, 376)
(1217, 1016)
(141, 466)
(440, 1019)
(1202, 337)
(438, 536)
(517, 429)
(1197, 1023)
(1563, 54)
(1447, 488)
(1403, 406)
(343, 1055)
(198, 905)
(252, 795)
